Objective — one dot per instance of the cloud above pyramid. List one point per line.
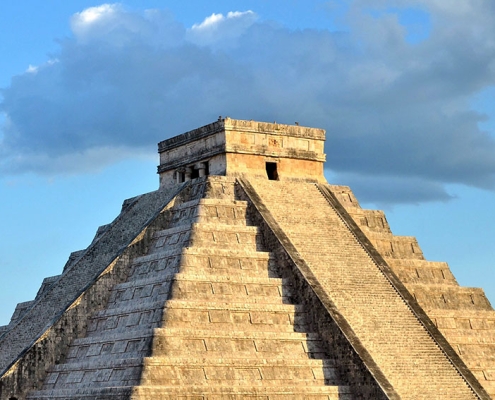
(395, 86)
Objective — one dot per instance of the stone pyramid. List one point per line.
(248, 276)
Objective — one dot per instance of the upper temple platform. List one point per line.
(232, 147)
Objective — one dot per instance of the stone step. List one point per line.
(238, 334)
(249, 392)
(183, 372)
(135, 307)
(147, 313)
(157, 256)
(139, 282)
(20, 311)
(186, 285)
(222, 288)
(483, 375)
(208, 343)
(474, 352)
(207, 201)
(220, 187)
(128, 343)
(478, 363)
(225, 236)
(110, 372)
(235, 371)
(206, 235)
(447, 320)
(91, 393)
(235, 316)
(226, 260)
(156, 262)
(142, 314)
(449, 297)
(422, 271)
(224, 278)
(150, 289)
(177, 371)
(201, 257)
(204, 392)
(393, 246)
(212, 316)
(470, 336)
(171, 238)
(235, 274)
(223, 211)
(234, 361)
(183, 213)
(370, 220)
(196, 284)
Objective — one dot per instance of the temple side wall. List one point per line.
(234, 147)
(287, 168)
(193, 151)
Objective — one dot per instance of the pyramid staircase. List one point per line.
(201, 316)
(463, 314)
(393, 337)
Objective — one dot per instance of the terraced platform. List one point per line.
(247, 276)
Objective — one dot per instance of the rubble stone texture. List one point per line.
(248, 276)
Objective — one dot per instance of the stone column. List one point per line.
(188, 174)
(201, 167)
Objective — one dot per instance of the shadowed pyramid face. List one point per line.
(234, 147)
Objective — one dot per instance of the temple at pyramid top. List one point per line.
(232, 147)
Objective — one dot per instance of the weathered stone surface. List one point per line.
(233, 147)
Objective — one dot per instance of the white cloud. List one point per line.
(393, 111)
(221, 31)
(214, 21)
(114, 25)
(32, 69)
(84, 23)
(209, 22)
(92, 14)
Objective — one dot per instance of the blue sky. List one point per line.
(405, 90)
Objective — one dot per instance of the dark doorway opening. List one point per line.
(271, 171)
(195, 173)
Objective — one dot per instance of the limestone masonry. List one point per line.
(247, 276)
